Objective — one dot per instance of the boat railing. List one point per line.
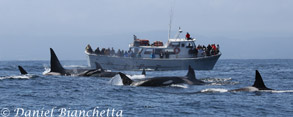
(138, 56)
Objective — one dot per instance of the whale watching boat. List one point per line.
(177, 54)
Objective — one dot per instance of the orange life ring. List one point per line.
(176, 50)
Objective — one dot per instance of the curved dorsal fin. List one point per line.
(55, 63)
(22, 71)
(258, 83)
(125, 79)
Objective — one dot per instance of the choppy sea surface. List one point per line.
(35, 94)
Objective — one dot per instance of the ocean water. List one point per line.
(35, 94)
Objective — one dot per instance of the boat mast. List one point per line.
(170, 23)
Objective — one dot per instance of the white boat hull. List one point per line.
(128, 63)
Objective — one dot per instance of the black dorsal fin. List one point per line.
(191, 75)
(125, 79)
(55, 63)
(143, 72)
(258, 83)
(98, 66)
(22, 71)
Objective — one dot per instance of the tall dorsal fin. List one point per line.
(55, 64)
(125, 79)
(22, 71)
(258, 83)
(98, 66)
(191, 75)
(143, 72)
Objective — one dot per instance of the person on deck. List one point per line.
(218, 48)
(214, 49)
(89, 49)
(188, 36)
(112, 52)
(118, 53)
(161, 54)
(167, 54)
(153, 54)
(103, 51)
(97, 51)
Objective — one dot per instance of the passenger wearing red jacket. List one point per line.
(188, 36)
(214, 48)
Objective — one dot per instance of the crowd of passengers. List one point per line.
(201, 51)
(198, 51)
(111, 52)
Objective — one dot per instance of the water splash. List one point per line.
(47, 70)
(116, 80)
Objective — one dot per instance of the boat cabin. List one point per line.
(174, 48)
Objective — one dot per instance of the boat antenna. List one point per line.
(177, 36)
(171, 18)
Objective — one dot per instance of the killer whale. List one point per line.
(24, 74)
(55, 66)
(257, 86)
(98, 72)
(57, 69)
(163, 81)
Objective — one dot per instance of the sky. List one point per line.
(244, 29)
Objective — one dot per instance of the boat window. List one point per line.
(182, 45)
(175, 44)
(189, 45)
(148, 51)
(158, 51)
(170, 51)
(137, 50)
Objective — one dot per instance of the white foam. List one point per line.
(217, 79)
(148, 69)
(214, 90)
(282, 91)
(27, 76)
